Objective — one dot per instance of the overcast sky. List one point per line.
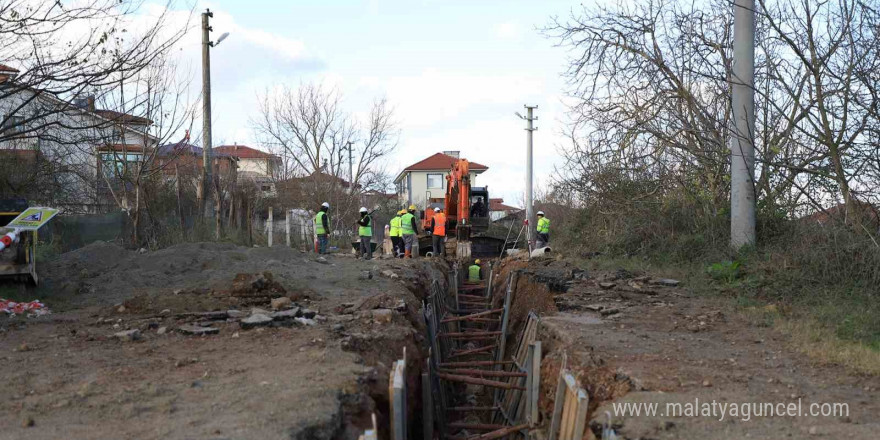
(455, 72)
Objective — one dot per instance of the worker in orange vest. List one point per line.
(438, 232)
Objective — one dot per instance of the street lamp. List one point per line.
(207, 165)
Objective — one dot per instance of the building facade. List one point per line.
(424, 182)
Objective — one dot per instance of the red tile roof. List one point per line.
(5, 68)
(122, 117)
(244, 152)
(498, 205)
(441, 161)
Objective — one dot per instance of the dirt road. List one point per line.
(316, 365)
(635, 341)
(67, 376)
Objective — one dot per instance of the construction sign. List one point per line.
(33, 218)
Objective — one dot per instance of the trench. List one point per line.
(484, 368)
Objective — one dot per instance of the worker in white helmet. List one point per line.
(543, 229)
(322, 227)
(365, 232)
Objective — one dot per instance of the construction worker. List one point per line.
(408, 229)
(365, 232)
(477, 208)
(438, 233)
(475, 272)
(322, 227)
(543, 237)
(394, 232)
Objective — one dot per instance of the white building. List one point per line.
(259, 166)
(424, 182)
(74, 141)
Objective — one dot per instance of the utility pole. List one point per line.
(742, 146)
(350, 169)
(205, 208)
(530, 205)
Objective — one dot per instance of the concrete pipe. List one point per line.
(540, 252)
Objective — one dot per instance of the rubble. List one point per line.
(305, 321)
(287, 314)
(382, 316)
(255, 320)
(668, 282)
(128, 335)
(281, 303)
(197, 330)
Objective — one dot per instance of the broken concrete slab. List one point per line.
(255, 320)
(287, 314)
(128, 335)
(305, 321)
(197, 330)
(668, 282)
(259, 311)
(607, 285)
(308, 313)
(390, 274)
(235, 314)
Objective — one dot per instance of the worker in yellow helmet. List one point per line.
(475, 273)
(395, 233)
(543, 237)
(408, 230)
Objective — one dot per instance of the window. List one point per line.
(435, 181)
(116, 165)
(13, 125)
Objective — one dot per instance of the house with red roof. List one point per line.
(253, 162)
(424, 182)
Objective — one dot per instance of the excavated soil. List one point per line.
(66, 375)
(630, 339)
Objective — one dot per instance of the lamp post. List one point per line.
(207, 44)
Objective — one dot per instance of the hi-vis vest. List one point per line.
(406, 224)
(543, 225)
(394, 230)
(474, 273)
(440, 224)
(366, 231)
(319, 223)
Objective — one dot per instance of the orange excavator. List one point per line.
(467, 214)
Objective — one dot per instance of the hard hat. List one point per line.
(363, 209)
(412, 207)
(540, 212)
(401, 212)
(325, 204)
(477, 261)
(436, 209)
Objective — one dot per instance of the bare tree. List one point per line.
(650, 82)
(309, 129)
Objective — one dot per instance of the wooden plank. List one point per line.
(476, 381)
(535, 383)
(485, 373)
(427, 407)
(475, 315)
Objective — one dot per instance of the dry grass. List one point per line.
(821, 344)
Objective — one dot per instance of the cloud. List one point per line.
(510, 30)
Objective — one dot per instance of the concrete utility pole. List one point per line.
(742, 146)
(350, 168)
(530, 205)
(204, 206)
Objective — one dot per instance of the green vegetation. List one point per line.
(815, 283)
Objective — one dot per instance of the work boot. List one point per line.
(407, 254)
